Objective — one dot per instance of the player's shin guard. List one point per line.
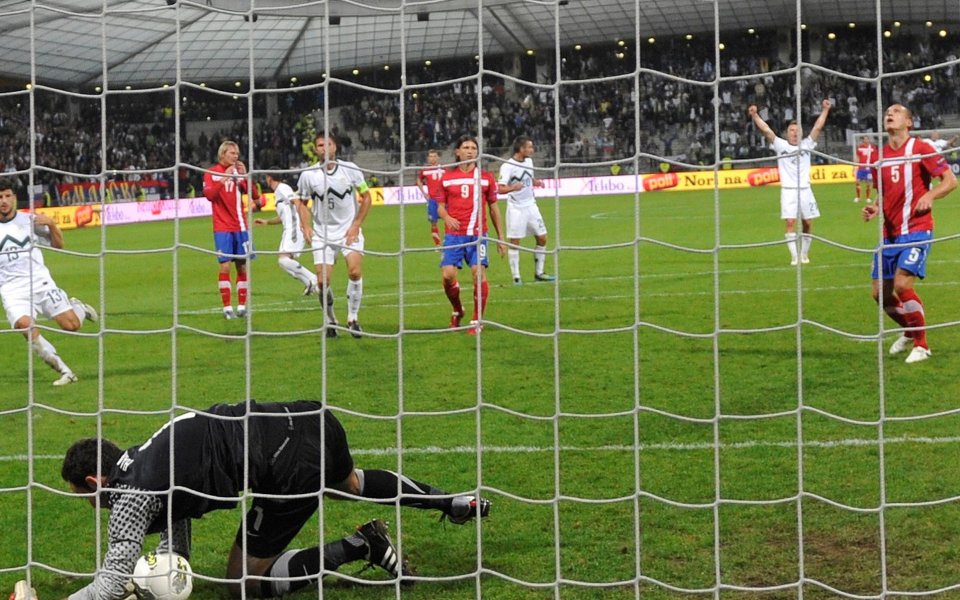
(225, 289)
(326, 301)
(539, 258)
(805, 244)
(354, 298)
(242, 289)
(48, 353)
(914, 317)
(480, 304)
(435, 233)
(513, 257)
(297, 271)
(452, 290)
(792, 244)
(297, 563)
(379, 484)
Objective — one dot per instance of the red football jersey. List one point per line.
(432, 177)
(866, 154)
(465, 194)
(226, 197)
(905, 177)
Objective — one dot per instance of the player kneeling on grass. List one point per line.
(26, 286)
(907, 167)
(208, 457)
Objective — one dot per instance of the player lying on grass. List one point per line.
(274, 449)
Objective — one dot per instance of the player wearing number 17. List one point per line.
(465, 189)
(224, 185)
(906, 167)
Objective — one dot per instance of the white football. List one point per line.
(164, 576)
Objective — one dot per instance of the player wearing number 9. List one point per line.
(466, 194)
(907, 166)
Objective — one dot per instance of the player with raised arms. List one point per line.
(793, 164)
(26, 285)
(428, 182)
(467, 192)
(908, 166)
(224, 185)
(292, 240)
(332, 224)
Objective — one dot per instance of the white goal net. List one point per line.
(679, 413)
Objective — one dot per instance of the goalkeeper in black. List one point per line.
(272, 449)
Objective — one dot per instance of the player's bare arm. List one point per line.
(56, 236)
(354, 232)
(948, 183)
(537, 183)
(305, 219)
(760, 124)
(498, 227)
(273, 221)
(821, 120)
(422, 186)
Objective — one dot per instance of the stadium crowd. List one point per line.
(598, 120)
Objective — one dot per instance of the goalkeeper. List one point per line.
(200, 461)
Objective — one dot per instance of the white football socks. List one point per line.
(354, 297)
(48, 353)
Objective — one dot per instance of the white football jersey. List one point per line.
(940, 144)
(794, 168)
(333, 193)
(287, 210)
(511, 172)
(20, 257)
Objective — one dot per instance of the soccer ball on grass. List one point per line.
(163, 576)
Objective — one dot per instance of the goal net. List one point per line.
(680, 413)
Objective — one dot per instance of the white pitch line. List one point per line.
(667, 446)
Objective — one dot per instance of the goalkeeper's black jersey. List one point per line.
(206, 450)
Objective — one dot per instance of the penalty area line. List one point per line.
(666, 446)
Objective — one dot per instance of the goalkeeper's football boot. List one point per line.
(380, 549)
(465, 508)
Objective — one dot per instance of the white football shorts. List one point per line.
(325, 251)
(523, 221)
(48, 300)
(790, 197)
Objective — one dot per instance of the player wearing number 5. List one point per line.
(906, 167)
(224, 185)
(465, 189)
(332, 225)
(26, 286)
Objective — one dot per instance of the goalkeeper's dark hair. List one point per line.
(81, 460)
(520, 142)
(7, 183)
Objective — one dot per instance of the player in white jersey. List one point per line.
(793, 164)
(941, 144)
(523, 215)
(26, 286)
(292, 240)
(332, 224)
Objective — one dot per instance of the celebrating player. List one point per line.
(464, 191)
(793, 164)
(906, 170)
(292, 240)
(866, 155)
(224, 186)
(208, 457)
(333, 226)
(523, 214)
(26, 286)
(428, 182)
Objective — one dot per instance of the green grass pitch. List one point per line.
(646, 407)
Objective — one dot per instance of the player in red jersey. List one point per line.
(224, 187)
(907, 166)
(867, 154)
(428, 182)
(460, 203)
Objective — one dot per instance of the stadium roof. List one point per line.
(135, 41)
